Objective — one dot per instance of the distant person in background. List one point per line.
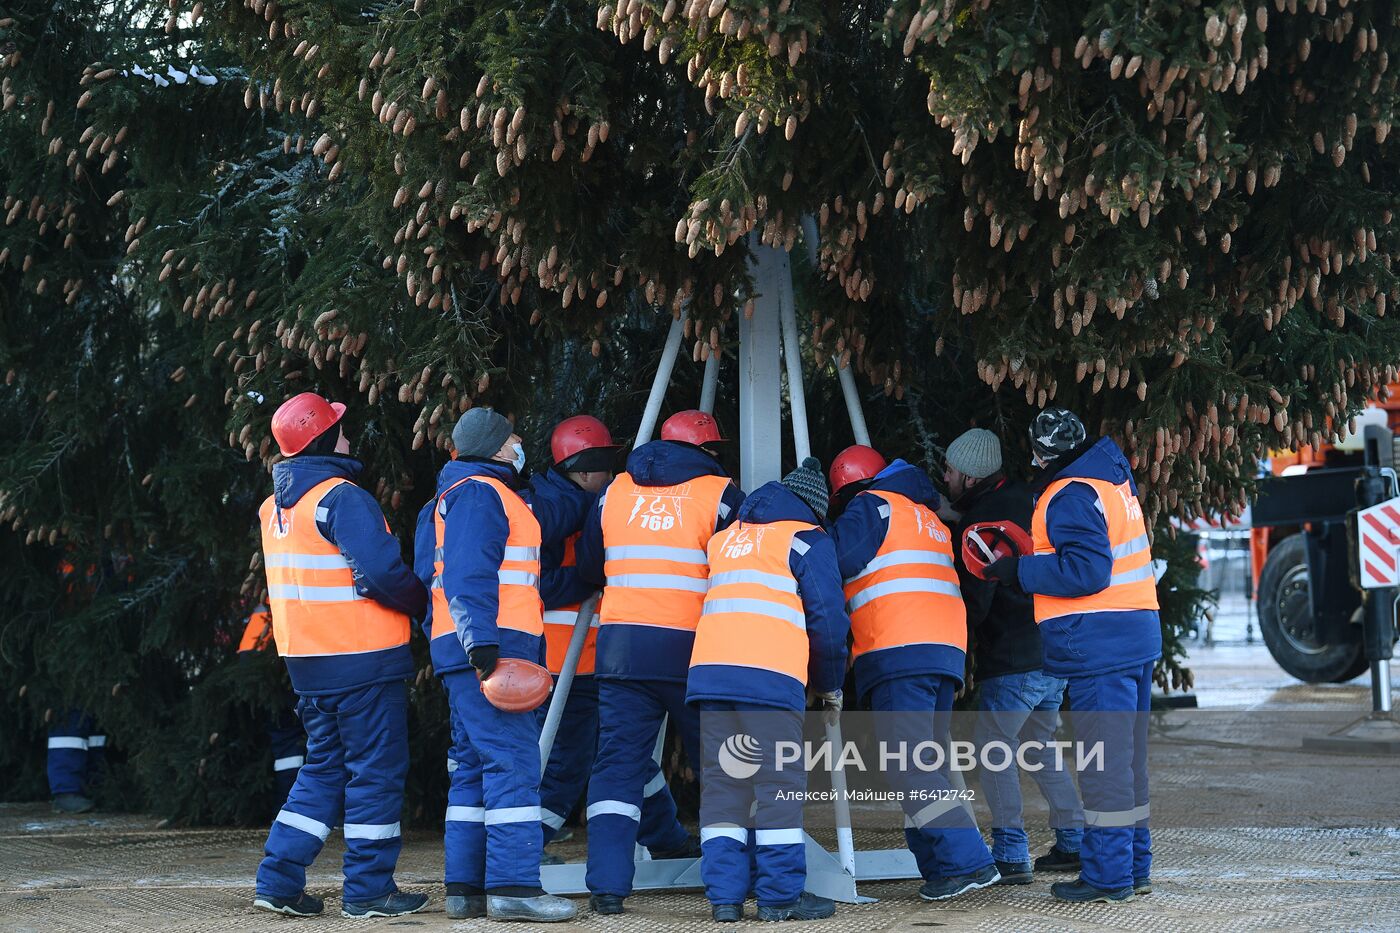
(284, 732)
(1018, 700)
(74, 759)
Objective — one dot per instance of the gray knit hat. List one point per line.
(807, 483)
(480, 432)
(975, 453)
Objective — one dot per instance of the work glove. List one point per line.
(484, 658)
(830, 705)
(1004, 571)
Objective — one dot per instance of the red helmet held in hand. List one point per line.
(985, 543)
(691, 427)
(517, 685)
(577, 434)
(854, 464)
(303, 418)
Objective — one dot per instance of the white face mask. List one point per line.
(519, 461)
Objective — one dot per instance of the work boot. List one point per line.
(71, 803)
(807, 907)
(1015, 872)
(393, 904)
(726, 913)
(466, 906)
(691, 849)
(605, 903)
(303, 905)
(542, 908)
(1058, 859)
(549, 858)
(941, 889)
(1080, 891)
(1142, 886)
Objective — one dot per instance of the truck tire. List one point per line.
(1289, 627)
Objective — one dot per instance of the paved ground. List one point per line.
(1252, 832)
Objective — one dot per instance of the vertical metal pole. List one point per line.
(760, 400)
(710, 383)
(797, 394)
(662, 380)
(566, 678)
(848, 390)
(1380, 686)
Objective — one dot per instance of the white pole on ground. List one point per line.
(566, 678)
(663, 378)
(710, 383)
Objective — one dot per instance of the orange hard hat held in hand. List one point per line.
(517, 685)
(987, 543)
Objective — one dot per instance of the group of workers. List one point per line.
(714, 606)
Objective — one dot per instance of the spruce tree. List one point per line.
(1174, 219)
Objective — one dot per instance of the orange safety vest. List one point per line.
(753, 614)
(654, 541)
(316, 609)
(257, 631)
(559, 626)
(518, 596)
(908, 594)
(1132, 585)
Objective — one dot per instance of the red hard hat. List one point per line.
(691, 427)
(985, 543)
(303, 418)
(517, 685)
(854, 464)
(577, 434)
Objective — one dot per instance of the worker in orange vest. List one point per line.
(1095, 597)
(585, 461)
(341, 600)
(646, 540)
(910, 648)
(284, 732)
(485, 579)
(773, 628)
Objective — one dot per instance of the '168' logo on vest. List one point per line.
(740, 542)
(929, 524)
(279, 524)
(660, 511)
(1131, 505)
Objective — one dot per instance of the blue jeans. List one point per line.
(1017, 708)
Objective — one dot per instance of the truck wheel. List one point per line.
(1289, 627)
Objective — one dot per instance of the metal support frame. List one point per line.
(765, 338)
(760, 399)
(709, 383)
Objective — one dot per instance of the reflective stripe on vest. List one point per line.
(559, 626)
(518, 603)
(654, 550)
(315, 607)
(908, 594)
(753, 615)
(1132, 584)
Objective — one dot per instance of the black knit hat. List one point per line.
(808, 484)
